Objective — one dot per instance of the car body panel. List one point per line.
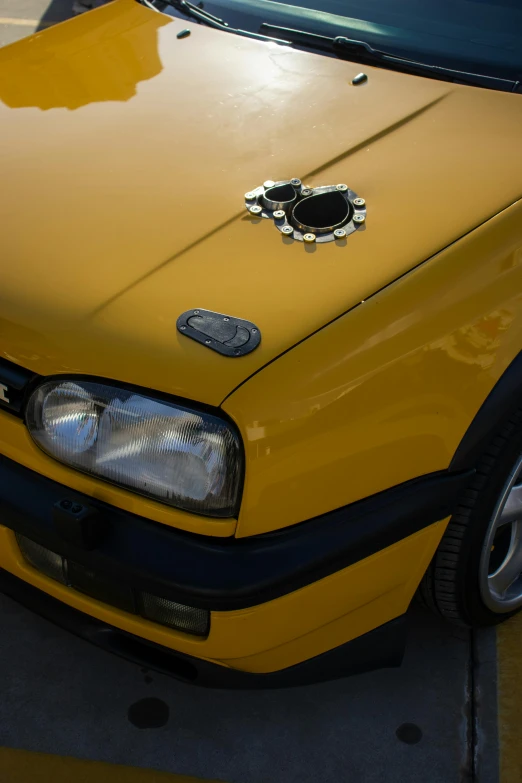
(385, 393)
(125, 158)
(282, 632)
(107, 100)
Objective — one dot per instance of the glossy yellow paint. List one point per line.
(385, 393)
(124, 159)
(287, 630)
(125, 156)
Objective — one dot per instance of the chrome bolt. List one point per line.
(359, 202)
(309, 238)
(358, 218)
(182, 328)
(306, 192)
(237, 353)
(254, 331)
(196, 312)
(279, 214)
(208, 342)
(295, 182)
(287, 230)
(342, 188)
(255, 210)
(250, 196)
(226, 319)
(269, 183)
(339, 233)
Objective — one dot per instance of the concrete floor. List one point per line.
(60, 695)
(19, 18)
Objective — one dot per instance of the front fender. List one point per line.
(386, 392)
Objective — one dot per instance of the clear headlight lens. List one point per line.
(187, 459)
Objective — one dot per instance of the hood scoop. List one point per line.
(323, 214)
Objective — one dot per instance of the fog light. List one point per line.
(152, 607)
(183, 618)
(44, 560)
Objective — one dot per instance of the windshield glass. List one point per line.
(481, 36)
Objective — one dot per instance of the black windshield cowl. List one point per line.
(362, 52)
(471, 63)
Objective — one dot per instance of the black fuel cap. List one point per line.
(225, 334)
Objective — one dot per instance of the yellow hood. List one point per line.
(125, 154)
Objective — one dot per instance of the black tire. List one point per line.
(450, 586)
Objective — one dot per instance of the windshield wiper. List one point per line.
(349, 49)
(199, 14)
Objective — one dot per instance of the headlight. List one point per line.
(187, 459)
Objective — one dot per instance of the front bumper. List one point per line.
(276, 600)
(380, 648)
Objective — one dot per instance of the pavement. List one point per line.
(19, 18)
(63, 696)
(69, 711)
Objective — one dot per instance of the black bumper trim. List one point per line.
(226, 574)
(380, 648)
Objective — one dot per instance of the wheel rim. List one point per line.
(501, 557)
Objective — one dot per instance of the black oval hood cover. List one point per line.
(222, 333)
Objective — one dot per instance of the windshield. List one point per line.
(479, 36)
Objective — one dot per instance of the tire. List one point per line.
(456, 582)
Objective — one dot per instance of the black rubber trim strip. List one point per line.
(382, 647)
(496, 409)
(17, 381)
(226, 574)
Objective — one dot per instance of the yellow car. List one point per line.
(260, 329)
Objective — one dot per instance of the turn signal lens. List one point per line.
(49, 563)
(178, 616)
